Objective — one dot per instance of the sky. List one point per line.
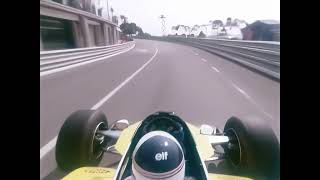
(145, 13)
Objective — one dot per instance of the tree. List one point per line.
(129, 28)
(174, 29)
(125, 28)
(228, 21)
(123, 18)
(146, 35)
(139, 30)
(201, 35)
(132, 28)
(216, 24)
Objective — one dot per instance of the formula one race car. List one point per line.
(163, 146)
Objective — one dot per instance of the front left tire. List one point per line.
(78, 141)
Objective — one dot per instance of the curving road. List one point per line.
(197, 85)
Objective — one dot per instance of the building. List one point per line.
(74, 24)
(262, 30)
(179, 30)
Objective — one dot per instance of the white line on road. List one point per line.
(204, 60)
(250, 99)
(212, 67)
(51, 144)
(241, 91)
(108, 96)
(195, 53)
(82, 63)
(46, 148)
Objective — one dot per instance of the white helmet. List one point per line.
(158, 155)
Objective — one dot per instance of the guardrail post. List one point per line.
(41, 44)
(85, 31)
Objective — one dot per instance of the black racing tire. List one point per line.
(256, 149)
(75, 144)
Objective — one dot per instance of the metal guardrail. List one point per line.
(258, 55)
(60, 58)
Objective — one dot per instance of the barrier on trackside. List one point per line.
(263, 56)
(60, 58)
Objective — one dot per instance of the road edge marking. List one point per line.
(204, 60)
(114, 91)
(214, 68)
(48, 147)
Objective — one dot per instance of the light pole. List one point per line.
(162, 17)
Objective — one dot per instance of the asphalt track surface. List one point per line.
(200, 87)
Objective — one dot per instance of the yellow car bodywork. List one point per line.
(104, 173)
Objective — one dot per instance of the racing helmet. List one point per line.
(158, 155)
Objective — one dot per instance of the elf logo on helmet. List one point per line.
(161, 156)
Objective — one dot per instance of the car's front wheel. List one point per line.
(78, 143)
(253, 147)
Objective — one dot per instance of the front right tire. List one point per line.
(253, 147)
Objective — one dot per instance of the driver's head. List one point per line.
(158, 155)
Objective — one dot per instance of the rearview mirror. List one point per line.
(120, 125)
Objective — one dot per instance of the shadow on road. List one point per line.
(55, 174)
